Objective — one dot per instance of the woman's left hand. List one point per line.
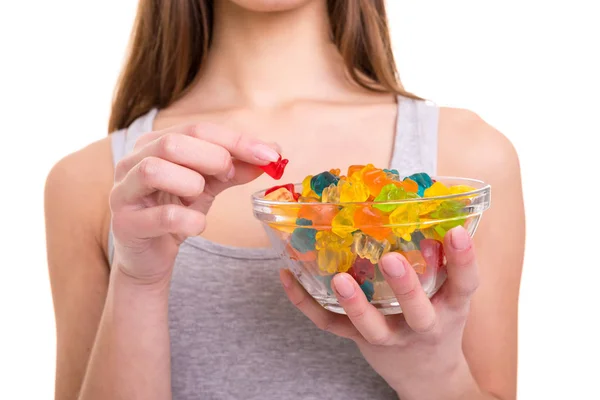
(419, 352)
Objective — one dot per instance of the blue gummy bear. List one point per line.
(423, 180)
(321, 181)
(368, 290)
(304, 239)
(392, 171)
(303, 222)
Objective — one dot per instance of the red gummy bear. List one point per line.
(289, 186)
(275, 169)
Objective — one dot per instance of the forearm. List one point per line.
(131, 354)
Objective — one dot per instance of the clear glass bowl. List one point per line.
(315, 248)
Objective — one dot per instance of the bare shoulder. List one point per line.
(471, 147)
(77, 221)
(77, 189)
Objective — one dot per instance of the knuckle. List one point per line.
(356, 313)
(148, 168)
(380, 340)
(426, 326)
(224, 160)
(122, 167)
(409, 294)
(168, 145)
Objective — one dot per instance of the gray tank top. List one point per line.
(253, 343)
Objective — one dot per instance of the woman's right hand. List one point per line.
(165, 187)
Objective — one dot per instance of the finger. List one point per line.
(239, 145)
(155, 174)
(326, 320)
(370, 322)
(199, 155)
(463, 277)
(243, 173)
(416, 306)
(157, 221)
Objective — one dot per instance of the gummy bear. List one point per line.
(280, 194)
(404, 220)
(331, 194)
(410, 186)
(289, 186)
(416, 260)
(436, 189)
(363, 269)
(368, 290)
(372, 222)
(459, 189)
(392, 192)
(331, 260)
(321, 215)
(335, 172)
(326, 239)
(392, 173)
(343, 223)
(375, 179)
(306, 189)
(423, 180)
(303, 239)
(370, 248)
(276, 168)
(354, 168)
(433, 253)
(321, 181)
(355, 192)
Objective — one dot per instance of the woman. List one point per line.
(163, 283)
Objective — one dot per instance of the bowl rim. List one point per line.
(258, 200)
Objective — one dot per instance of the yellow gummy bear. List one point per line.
(343, 223)
(353, 192)
(332, 261)
(369, 247)
(458, 189)
(437, 189)
(405, 220)
(306, 189)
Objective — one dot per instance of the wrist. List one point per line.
(454, 382)
(158, 285)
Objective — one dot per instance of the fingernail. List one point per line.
(265, 153)
(393, 266)
(459, 238)
(231, 173)
(344, 286)
(285, 277)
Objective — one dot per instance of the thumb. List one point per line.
(242, 173)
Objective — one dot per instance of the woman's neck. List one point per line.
(262, 60)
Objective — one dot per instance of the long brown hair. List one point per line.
(171, 38)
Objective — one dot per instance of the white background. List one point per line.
(530, 68)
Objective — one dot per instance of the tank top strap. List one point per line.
(416, 143)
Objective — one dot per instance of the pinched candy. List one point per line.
(423, 180)
(280, 194)
(370, 248)
(275, 169)
(303, 239)
(321, 181)
(343, 223)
